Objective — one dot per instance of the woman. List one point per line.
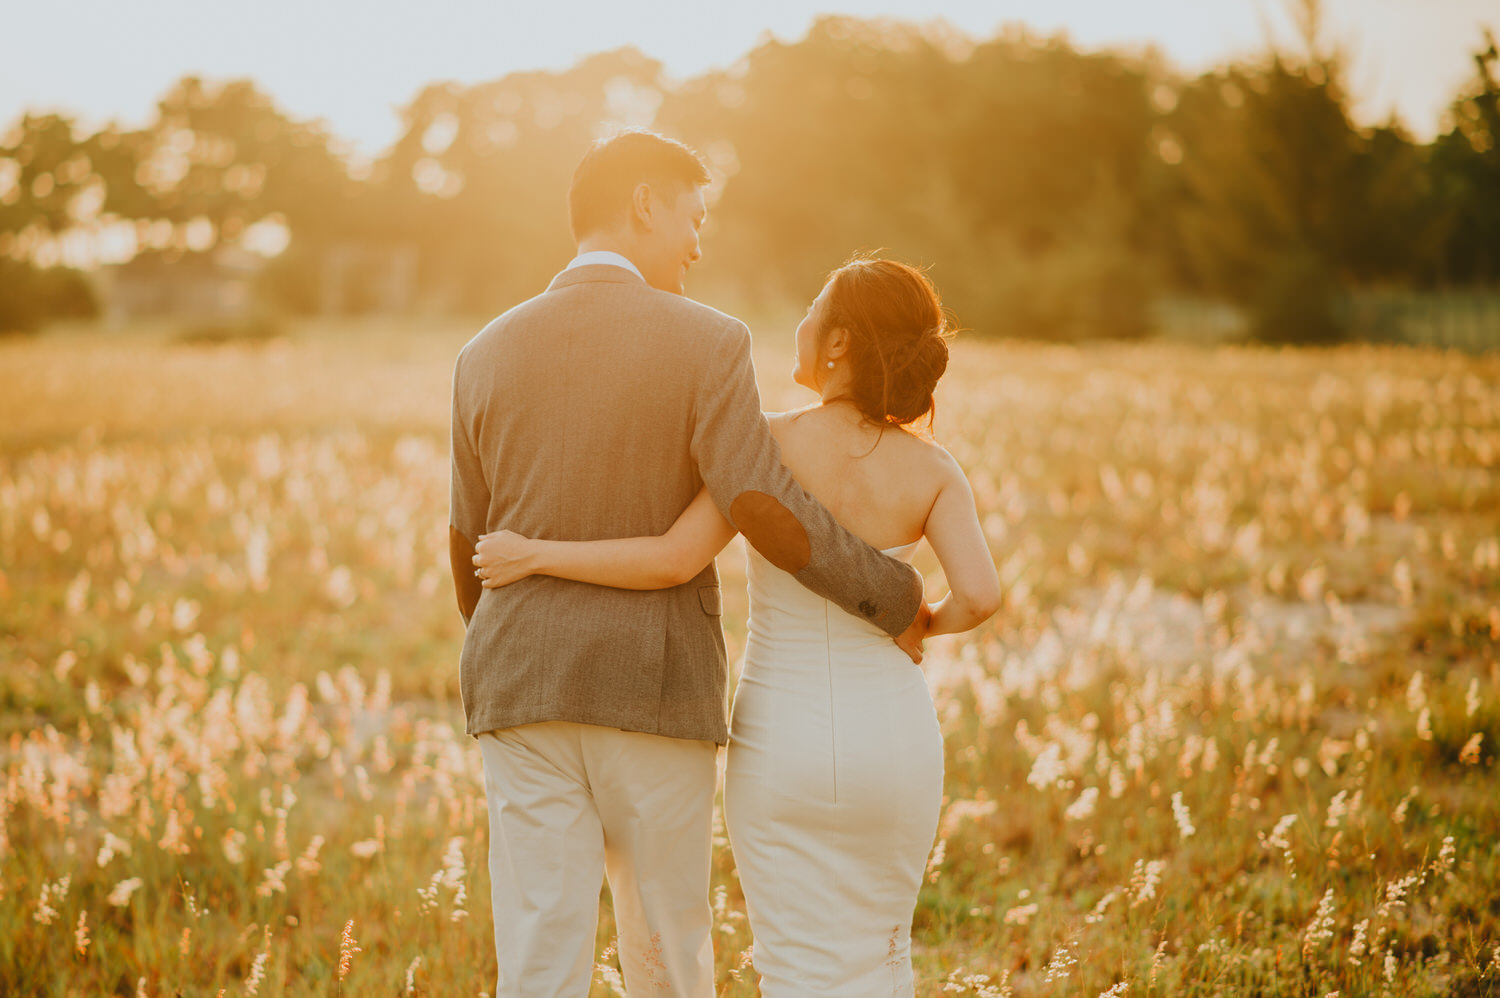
(835, 764)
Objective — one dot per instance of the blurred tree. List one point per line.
(225, 154)
(829, 145)
(1013, 167)
(1049, 153)
(48, 184)
(1055, 192)
(215, 161)
(1281, 203)
(43, 169)
(31, 296)
(479, 177)
(1465, 170)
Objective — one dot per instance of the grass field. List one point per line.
(1234, 731)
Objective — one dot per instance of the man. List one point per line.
(599, 409)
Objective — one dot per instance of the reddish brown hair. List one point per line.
(898, 337)
(607, 176)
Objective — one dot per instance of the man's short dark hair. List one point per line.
(609, 172)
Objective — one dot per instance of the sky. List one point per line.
(352, 63)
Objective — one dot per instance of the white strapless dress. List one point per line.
(832, 789)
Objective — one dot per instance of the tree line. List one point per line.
(1056, 192)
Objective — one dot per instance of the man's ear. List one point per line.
(642, 207)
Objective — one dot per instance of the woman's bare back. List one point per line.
(880, 484)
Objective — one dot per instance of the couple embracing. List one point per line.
(608, 441)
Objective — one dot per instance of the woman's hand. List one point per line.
(502, 558)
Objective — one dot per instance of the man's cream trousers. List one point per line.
(570, 803)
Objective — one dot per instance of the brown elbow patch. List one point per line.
(772, 530)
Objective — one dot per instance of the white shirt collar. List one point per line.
(607, 257)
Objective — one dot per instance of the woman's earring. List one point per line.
(830, 365)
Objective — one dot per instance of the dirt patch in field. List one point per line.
(1160, 628)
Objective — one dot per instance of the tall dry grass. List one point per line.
(1234, 731)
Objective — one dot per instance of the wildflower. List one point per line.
(411, 974)
(935, 861)
(81, 934)
(75, 600)
(978, 984)
(120, 896)
(1337, 808)
(174, 838)
(1416, 695)
(1097, 915)
(111, 847)
(1446, 853)
(1144, 880)
(1084, 805)
(1357, 945)
(429, 894)
(258, 967)
(1210, 760)
(1395, 893)
(140, 988)
(1320, 929)
(1469, 754)
(960, 811)
(1116, 991)
(1021, 914)
(453, 877)
(1117, 783)
(362, 784)
(191, 902)
(1390, 967)
(365, 848)
(1280, 837)
(1183, 816)
(275, 879)
(347, 948)
(234, 846)
(1157, 959)
(1061, 964)
(1471, 699)
(307, 863)
(55, 891)
(611, 978)
(258, 557)
(1048, 768)
(1424, 724)
(1399, 815)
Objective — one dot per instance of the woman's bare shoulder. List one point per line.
(922, 459)
(782, 423)
(923, 449)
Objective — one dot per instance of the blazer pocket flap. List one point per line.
(712, 599)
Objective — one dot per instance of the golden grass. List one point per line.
(1234, 731)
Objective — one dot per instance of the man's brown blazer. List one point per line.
(598, 409)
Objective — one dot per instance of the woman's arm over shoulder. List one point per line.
(957, 538)
(661, 562)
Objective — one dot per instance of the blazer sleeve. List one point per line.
(469, 502)
(740, 464)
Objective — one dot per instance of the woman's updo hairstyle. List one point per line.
(898, 337)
